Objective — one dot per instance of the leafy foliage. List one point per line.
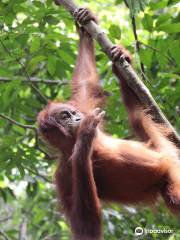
(38, 42)
(137, 5)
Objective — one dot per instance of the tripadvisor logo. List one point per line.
(138, 231)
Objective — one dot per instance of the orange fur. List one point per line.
(98, 166)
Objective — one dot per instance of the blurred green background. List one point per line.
(38, 43)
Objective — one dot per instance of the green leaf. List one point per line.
(162, 47)
(175, 51)
(162, 19)
(158, 4)
(9, 94)
(39, 4)
(66, 56)
(35, 45)
(172, 2)
(147, 22)
(118, 2)
(3, 195)
(169, 28)
(115, 31)
(21, 169)
(9, 18)
(51, 65)
(136, 6)
(32, 189)
(37, 59)
(146, 56)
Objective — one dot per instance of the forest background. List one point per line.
(38, 48)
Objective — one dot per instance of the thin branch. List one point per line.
(36, 80)
(5, 219)
(25, 71)
(37, 174)
(4, 235)
(133, 21)
(37, 146)
(126, 70)
(12, 121)
(157, 50)
(17, 123)
(138, 46)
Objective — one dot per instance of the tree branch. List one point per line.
(126, 70)
(12, 121)
(157, 50)
(4, 235)
(25, 71)
(5, 219)
(36, 80)
(133, 21)
(17, 123)
(138, 46)
(37, 174)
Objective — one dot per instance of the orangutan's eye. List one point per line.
(73, 112)
(64, 115)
